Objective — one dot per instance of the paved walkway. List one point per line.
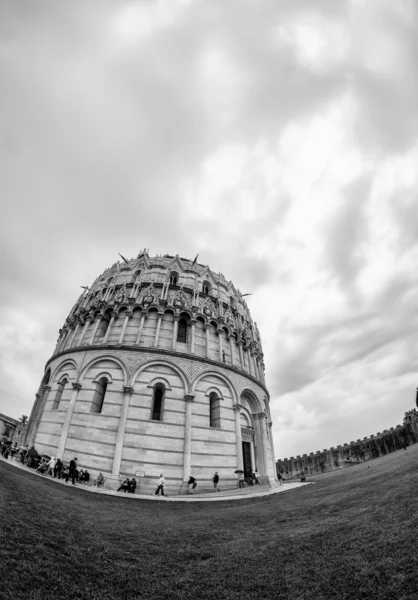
(234, 494)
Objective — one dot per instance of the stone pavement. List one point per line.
(234, 494)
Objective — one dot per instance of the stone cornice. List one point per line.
(163, 352)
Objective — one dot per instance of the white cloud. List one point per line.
(279, 140)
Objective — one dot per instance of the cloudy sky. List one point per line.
(276, 138)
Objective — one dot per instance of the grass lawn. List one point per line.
(353, 534)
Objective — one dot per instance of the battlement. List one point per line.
(373, 446)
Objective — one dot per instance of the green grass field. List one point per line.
(351, 535)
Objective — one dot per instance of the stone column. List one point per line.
(231, 346)
(250, 369)
(254, 365)
(175, 332)
(93, 335)
(73, 336)
(241, 357)
(122, 333)
(207, 331)
(62, 341)
(187, 451)
(220, 344)
(141, 327)
(157, 332)
(83, 333)
(112, 320)
(263, 380)
(273, 456)
(193, 325)
(40, 405)
(127, 393)
(29, 438)
(67, 422)
(264, 441)
(238, 437)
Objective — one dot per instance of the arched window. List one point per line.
(174, 278)
(206, 287)
(214, 410)
(99, 395)
(60, 389)
(157, 404)
(182, 331)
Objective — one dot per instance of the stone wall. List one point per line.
(351, 453)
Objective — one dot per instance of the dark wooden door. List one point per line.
(246, 455)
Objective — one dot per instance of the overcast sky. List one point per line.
(278, 139)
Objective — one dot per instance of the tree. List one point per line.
(23, 419)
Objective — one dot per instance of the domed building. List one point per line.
(158, 369)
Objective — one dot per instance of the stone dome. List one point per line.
(158, 368)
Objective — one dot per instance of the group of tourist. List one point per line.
(129, 485)
(58, 470)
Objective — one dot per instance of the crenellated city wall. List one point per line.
(360, 451)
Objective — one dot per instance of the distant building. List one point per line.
(158, 369)
(8, 426)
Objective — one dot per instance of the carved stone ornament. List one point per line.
(206, 307)
(247, 434)
(121, 295)
(148, 296)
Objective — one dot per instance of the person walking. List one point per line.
(241, 479)
(280, 478)
(160, 487)
(256, 477)
(51, 466)
(216, 481)
(72, 471)
(58, 468)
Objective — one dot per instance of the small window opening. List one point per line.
(174, 278)
(182, 331)
(206, 287)
(214, 410)
(99, 395)
(157, 408)
(101, 332)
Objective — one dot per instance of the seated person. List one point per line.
(192, 484)
(99, 480)
(125, 486)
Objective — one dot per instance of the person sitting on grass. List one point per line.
(126, 486)
(99, 480)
